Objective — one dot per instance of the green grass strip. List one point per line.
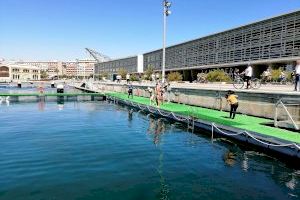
(243, 122)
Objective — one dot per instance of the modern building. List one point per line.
(133, 64)
(271, 42)
(18, 72)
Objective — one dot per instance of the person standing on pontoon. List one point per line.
(158, 94)
(130, 90)
(151, 96)
(232, 99)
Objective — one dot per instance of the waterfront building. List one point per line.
(133, 64)
(53, 68)
(85, 67)
(78, 68)
(71, 68)
(19, 72)
(267, 43)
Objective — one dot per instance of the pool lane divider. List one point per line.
(286, 149)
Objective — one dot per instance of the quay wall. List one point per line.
(250, 103)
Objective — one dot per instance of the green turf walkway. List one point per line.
(241, 121)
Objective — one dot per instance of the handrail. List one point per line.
(280, 102)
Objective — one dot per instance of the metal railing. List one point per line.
(284, 103)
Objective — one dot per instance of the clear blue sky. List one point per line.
(61, 29)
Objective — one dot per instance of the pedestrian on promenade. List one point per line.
(157, 77)
(118, 78)
(153, 77)
(248, 75)
(127, 78)
(130, 91)
(297, 76)
(232, 99)
(167, 89)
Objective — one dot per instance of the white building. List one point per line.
(19, 72)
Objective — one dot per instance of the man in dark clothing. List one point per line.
(130, 91)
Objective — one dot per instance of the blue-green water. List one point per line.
(96, 150)
(32, 88)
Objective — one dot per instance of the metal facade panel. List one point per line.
(130, 64)
(274, 38)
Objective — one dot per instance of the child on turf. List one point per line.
(232, 99)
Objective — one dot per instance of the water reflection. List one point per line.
(41, 104)
(245, 164)
(229, 158)
(291, 184)
(60, 102)
(130, 112)
(156, 128)
(4, 100)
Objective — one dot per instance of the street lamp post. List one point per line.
(167, 12)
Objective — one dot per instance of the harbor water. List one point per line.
(98, 150)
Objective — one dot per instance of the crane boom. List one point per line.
(99, 57)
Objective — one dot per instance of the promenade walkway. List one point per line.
(244, 122)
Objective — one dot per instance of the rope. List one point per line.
(213, 125)
(258, 140)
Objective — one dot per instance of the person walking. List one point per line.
(157, 77)
(118, 78)
(153, 78)
(232, 99)
(248, 75)
(127, 78)
(167, 89)
(297, 76)
(130, 91)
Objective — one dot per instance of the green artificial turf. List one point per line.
(243, 122)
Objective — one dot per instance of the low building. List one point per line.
(133, 64)
(19, 72)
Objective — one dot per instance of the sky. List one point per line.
(61, 29)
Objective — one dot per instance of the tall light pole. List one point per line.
(167, 12)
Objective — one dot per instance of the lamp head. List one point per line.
(168, 4)
(168, 12)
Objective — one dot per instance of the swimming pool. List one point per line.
(97, 150)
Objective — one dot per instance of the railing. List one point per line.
(285, 102)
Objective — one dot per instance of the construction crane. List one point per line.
(99, 57)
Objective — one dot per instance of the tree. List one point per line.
(122, 71)
(148, 72)
(174, 76)
(44, 74)
(218, 75)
